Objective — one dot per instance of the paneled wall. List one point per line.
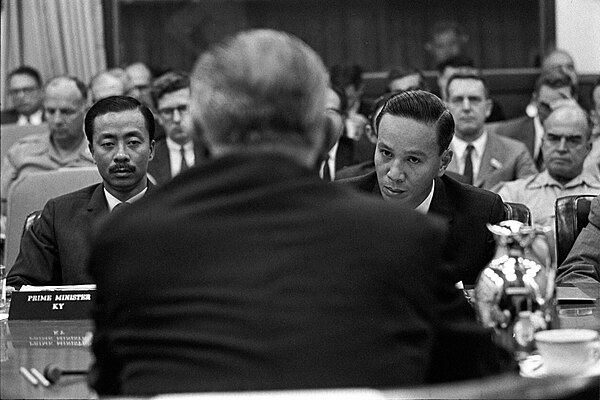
(376, 34)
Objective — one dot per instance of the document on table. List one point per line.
(566, 293)
(29, 288)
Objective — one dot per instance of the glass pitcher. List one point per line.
(515, 293)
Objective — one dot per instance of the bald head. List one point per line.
(104, 85)
(260, 88)
(560, 59)
(566, 142)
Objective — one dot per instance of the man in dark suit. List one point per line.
(180, 150)
(55, 249)
(251, 273)
(414, 131)
(25, 90)
(551, 88)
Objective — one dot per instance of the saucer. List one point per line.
(533, 367)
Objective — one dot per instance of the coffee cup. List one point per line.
(568, 351)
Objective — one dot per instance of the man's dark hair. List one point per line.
(440, 27)
(117, 104)
(27, 70)
(344, 75)
(555, 78)
(457, 61)
(424, 107)
(476, 77)
(167, 83)
(341, 93)
(592, 100)
(401, 72)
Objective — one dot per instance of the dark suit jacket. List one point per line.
(9, 116)
(467, 210)
(250, 273)
(160, 166)
(521, 129)
(55, 250)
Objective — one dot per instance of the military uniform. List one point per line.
(36, 153)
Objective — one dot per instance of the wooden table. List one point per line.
(39, 343)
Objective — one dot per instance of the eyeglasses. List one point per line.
(168, 113)
(24, 90)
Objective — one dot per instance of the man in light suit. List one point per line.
(551, 88)
(250, 273)
(483, 157)
(180, 150)
(414, 130)
(55, 249)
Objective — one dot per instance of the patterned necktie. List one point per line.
(184, 166)
(468, 172)
(539, 161)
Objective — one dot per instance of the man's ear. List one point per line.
(152, 147)
(446, 158)
(488, 107)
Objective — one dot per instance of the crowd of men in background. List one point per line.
(446, 151)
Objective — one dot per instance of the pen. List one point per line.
(28, 376)
(40, 377)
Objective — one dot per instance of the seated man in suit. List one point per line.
(180, 150)
(414, 130)
(25, 91)
(565, 145)
(482, 156)
(551, 88)
(55, 249)
(65, 103)
(250, 273)
(583, 262)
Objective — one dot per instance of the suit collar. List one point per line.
(98, 204)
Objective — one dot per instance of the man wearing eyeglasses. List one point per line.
(565, 145)
(25, 91)
(180, 150)
(552, 87)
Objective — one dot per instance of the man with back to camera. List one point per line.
(65, 146)
(414, 130)
(180, 150)
(259, 281)
(25, 91)
(55, 249)
(483, 157)
(565, 146)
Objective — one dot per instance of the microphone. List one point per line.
(53, 372)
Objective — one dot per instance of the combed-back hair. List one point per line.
(401, 72)
(473, 76)
(169, 82)
(424, 107)
(117, 104)
(260, 87)
(27, 70)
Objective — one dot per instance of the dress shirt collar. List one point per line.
(112, 201)
(173, 146)
(460, 146)
(423, 208)
(539, 135)
(543, 179)
(34, 119)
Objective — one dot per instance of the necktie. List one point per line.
(539, 161)
(326, 171)
(122, 206)
(468, 172)
(184, 166)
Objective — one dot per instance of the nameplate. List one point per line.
(51, 334)
(51, 305)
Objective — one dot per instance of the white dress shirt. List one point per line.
(112, 201)
(175, 155)
(539, 135)
(34, 119)
(423, 208)
(459, 147)
(330, 162)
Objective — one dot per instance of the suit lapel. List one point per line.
(97, 205)
(440, 205)
(486, 168)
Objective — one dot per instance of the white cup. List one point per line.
(568, 351)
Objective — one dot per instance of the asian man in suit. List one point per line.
(55, 249)
(250, 273)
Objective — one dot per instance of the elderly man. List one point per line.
(105, 84)
(483, 157)
(141, 79)
(565, 145)
(55, 249)
(25, 91)
(414, 130)
(250, 273)
(65, 146)
(552, 88)
(181, 150)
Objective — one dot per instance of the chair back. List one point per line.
(31, 192)
(572, 213)
(11, 134)
(519, 212)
